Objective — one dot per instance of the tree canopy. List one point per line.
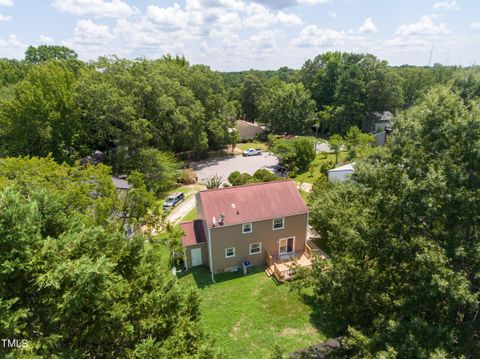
(403, 276)
(72, 285)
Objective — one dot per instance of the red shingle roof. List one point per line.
(194, 233)
(252, 202)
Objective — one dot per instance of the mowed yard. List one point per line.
(248, 315)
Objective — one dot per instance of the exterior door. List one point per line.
(196, 254)
(286, 245)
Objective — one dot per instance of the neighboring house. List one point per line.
(122, 187)
(243, 226)
(342, 173)
(247, 130)
(377, 121)
(381, 138)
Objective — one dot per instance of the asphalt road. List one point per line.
(226, 165)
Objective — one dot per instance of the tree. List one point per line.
(37, 55)
(336, 142)
(42, 116)
(234, 138)
(357, 141)
(72, 285)
(251, 92)
(288, 108)
(403, 239)
(348, 87)
(295, 154)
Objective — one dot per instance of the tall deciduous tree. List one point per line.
(42, 117)
(404, 238)
(288, 108)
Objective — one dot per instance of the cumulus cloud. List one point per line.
(446, 5)
(89, 33)
(45, 39)
(475, 25)
(6, 2)
(425, 26)
(313, 36)
(279, 4)
(170, 18)
(368, 26)
(5, 18)
(97, 8)
(12, 47)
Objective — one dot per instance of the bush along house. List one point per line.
(243, 226)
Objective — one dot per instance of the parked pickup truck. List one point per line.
(252, 152)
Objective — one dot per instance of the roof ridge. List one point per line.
(246, 185)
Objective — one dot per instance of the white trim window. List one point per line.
(278, 223)
(255, 248)
(247, 228)
(230, 252)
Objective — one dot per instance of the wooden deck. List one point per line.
(283, 268)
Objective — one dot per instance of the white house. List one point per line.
(341, 173)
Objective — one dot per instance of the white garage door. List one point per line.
(196, 254)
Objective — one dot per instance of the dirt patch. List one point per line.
(235, 329)
(290, 332)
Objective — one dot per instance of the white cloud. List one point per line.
(411, 44)
(446, 5)
(265, 42)
(169, 19)
(97, 8)
(278, 4)
(287, 18)
(6, 2)
(332, 14)
(5, 18)
(89, 33)
(425, 26)
(368, 26)
(312, 2)
(12, 47)
(313, 36)
(45, 39)
(475, 25)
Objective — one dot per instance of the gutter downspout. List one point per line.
(210, 253)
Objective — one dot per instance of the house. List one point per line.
(377, 121)
(250, 225)
(342, 173)
(247, 130)
(381, 138)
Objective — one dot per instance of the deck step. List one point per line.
(269, 272)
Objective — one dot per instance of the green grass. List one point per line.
(311, 176)
(190, 216)
(255, 144)
(248, 315)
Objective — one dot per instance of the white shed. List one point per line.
(341, 173)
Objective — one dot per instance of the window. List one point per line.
(255, 248)
(246, 228)
(278, 223)
(229, 252)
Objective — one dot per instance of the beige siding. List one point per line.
(231, 236)
(204, 248)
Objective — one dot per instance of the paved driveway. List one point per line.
(226, 165)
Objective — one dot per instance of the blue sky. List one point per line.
(242, 34)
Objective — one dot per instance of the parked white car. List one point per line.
(252, 152)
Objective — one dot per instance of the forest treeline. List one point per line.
(139, 111)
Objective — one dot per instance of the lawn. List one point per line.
(255, 144)
(311, 176)
(190, 216)
(248, 315)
